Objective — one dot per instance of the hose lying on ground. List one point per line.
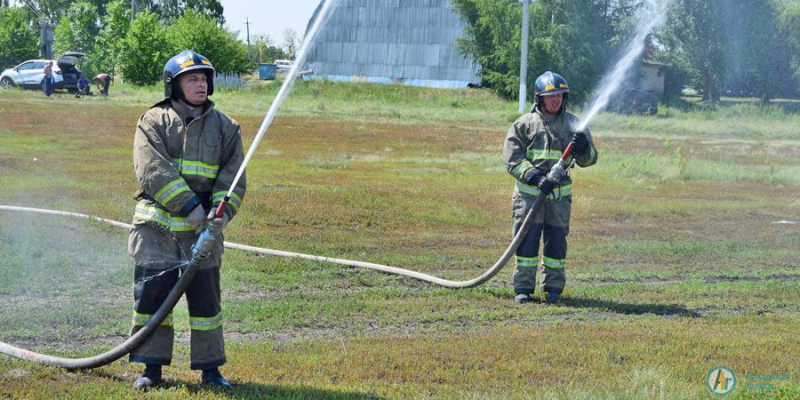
(501, 262)
(180, 287)
(127, 346)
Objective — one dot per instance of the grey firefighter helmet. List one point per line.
(183, 62)
(548, 84)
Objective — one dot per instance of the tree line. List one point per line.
(137, 48)
(739, 47)
(744, 47)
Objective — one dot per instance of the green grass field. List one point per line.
(684, 249)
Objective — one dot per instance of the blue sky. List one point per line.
(271, 17)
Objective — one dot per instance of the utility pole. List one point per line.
(247, 22)
(46, 39)
(523, 70)
(133, 9)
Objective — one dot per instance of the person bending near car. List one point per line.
(102, 81)
(186, 155)
(534, 144)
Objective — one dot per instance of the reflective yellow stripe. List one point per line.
(188, 63)
(542, 154)
(143, 319)
(558, 191)
(553, 263)
(205, 324)
(188, 167)
(170, 190)
(527, 262)
(149, 212)
(236, 200)
(521, 168)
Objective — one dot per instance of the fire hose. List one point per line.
(202, 248)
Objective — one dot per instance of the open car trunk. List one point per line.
(68, 64)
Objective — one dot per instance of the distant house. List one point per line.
(652, 76)
(409, 42)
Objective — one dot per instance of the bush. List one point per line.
(18, 42)
(200, 33)
(145, 51)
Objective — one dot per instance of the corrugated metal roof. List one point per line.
(398, 41)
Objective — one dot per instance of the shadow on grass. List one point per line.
(629, 308)
(602, 305)
(243, 390)
(259, 391)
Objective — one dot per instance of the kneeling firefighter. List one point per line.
(534, 143)
(186, 155)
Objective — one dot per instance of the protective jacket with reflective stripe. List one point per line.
(180, 165)
(533, 142)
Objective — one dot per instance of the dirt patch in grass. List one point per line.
(779, 278)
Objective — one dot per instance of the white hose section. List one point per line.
(350, 263)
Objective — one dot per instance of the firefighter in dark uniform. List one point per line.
(534, 143)
(186, 155)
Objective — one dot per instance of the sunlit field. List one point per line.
(684, 248)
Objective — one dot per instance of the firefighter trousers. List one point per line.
(158, 256)
(551, 224)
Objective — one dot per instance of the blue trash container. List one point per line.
(267, 71)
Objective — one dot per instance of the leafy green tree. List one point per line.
(492, 38)
(171, 10)
(47, 10)
(18, 41)
(209, 8)
(77, 29)
(695, 31)
(751, 67)
(575, 38)
(790, 27)
(200, 33)
(145, 50)
(110, 42)
(264, 50)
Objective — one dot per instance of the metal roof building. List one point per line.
(410, 42)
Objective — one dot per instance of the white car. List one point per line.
(30, 74)
(283, 65)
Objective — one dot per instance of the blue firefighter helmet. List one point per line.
(548, 84)
(183, 62)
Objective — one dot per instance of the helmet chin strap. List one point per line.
(178, 94)
(543, 107)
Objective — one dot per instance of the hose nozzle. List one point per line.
(202, 247)
(558, 169)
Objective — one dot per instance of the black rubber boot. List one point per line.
(213, 377)
(150, 377)
(553, 297)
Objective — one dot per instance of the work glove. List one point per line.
(546, 186)
(532, 177)
(580, 143)
(196, 217)
(216, 225)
